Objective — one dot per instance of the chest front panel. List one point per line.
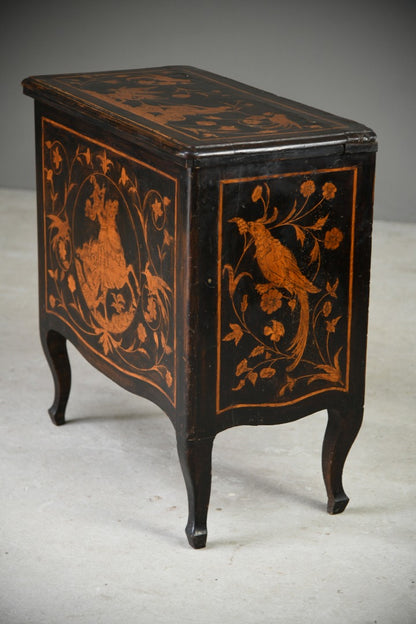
(109, 227)
(285, 278)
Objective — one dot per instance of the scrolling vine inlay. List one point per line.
(285, 280)
(194, 104)
(110, 255)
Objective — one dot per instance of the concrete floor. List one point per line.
(92, 514)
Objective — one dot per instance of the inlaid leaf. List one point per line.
(235, 334)
(69, 188)
(267, 373)
(289, 385)
(133, 349)
(319, 224)
(233, 281)
(257, 351)
(240, 385)
(314, 255)
(241, 368)
(53, 274)
(252, 376)
(166, 348)
(244, 303)
(300, 234)
(292, 212)
(330, 373)
(142, 352)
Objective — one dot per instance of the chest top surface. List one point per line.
(192, 110)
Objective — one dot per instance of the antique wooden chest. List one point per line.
(206, 245)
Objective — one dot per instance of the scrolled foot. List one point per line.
(57, 414)
(338, 504)
(197, 537)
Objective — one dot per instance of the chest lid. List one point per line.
(193, 112)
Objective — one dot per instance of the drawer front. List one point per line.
(109, 224)
(285, 283)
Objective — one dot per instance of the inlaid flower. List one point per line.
(332, 290)
(271, 301)
(275, 331)
(329, 190)
(105, 162)
(57, 158)
(118, 302)
(331, 325)
(124, 178)
(157, 209)
(151, 311)
(167, 238)
(307, 188)
(333, 238)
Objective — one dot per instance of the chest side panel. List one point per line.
(109, 225)
(285, 275)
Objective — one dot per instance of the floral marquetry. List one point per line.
(110, 227)
(206, 245)
(193, 107)
(285, 287)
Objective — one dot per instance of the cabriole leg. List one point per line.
(54, 345)
(196, 459)
(343, 426)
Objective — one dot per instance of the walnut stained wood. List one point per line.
(206, 245)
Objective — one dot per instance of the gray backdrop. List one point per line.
(355, 59)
